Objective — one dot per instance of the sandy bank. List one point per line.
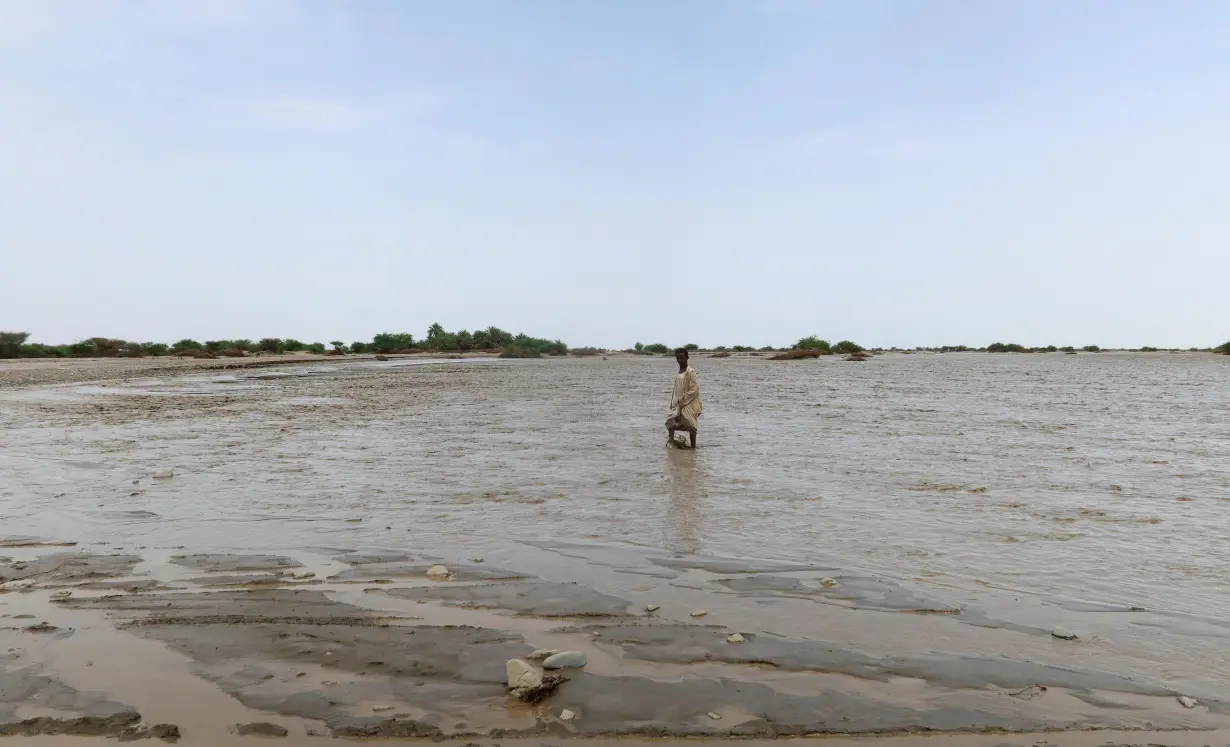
(363, 644)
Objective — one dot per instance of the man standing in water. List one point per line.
(685, 400)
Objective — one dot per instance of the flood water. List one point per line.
(1038, 487)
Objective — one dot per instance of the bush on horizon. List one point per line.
(1223, 348)
(1011, 347)
(811, 342)
(11, 343)
(847, 347)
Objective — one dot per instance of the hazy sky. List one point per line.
(896, 172)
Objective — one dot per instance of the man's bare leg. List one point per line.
(692, 436)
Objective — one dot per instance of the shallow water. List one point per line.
(1023, 485)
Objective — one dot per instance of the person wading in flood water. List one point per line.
(685, 400)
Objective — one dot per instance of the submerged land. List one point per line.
(236, 551)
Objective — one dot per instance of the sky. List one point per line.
(718, 172)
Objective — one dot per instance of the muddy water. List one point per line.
(1032, 491)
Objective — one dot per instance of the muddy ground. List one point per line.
(220, 648)
(221, 560)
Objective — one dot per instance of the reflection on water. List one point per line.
(687, 491)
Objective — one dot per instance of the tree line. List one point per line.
(493, 339)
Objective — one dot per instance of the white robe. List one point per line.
(685, 399)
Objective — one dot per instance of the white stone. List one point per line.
(736, 638)
(1187, 702)
(1063, 634)
(828, 583)
(163, 474)
(437, 571)
(715, 716)
(521, 674)
(699, 613)
(542, 653)
(566, 715)
(653, 608)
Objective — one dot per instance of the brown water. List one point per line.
(1024, 486)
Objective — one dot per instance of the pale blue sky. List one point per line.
(710, 171)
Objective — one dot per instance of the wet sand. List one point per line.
(277, 577)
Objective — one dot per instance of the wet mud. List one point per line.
(822, 613)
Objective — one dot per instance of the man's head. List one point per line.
(681, 355)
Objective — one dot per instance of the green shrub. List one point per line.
(1223, 348)
(185, 344)
(359, 347)
(386, 342)
(812, 342)
(292, 346)
(270, 344)
(999, 347)
(846, 347)
(1148, 349)
(515, 352)
(315, 347)
(11, 343)
(656, 347)
(1092, 349)
(691, 347)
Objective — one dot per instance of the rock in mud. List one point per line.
(715, 716)
(566, 715)
(541, 654)
(652, 608)
(437, 571)
(699, 613)
(735, 638)
(565, 660)
(522, 674)
(261, 729)
(1187, 702)
(1063, 634)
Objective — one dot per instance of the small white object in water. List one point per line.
(828, 583)
(736, 638)
(715, 716)
(652, 608)
(1187, 702)
(1063, 634)
(163, 474)
(699, 613)
(65, 594)
(566, 715)
(437, 571)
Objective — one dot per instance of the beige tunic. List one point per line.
(686, 395)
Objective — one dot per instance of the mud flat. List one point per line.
(355, 551)
(296, 649)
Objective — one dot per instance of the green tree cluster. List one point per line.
(813, 342)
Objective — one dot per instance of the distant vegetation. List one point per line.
(1223, 348)
(491, 339)
(813, 343)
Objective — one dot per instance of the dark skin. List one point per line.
(677, 423)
